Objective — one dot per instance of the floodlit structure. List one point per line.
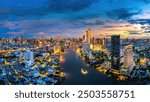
(57, 49)
(88, 36)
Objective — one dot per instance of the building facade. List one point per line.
(29, 57)
(115, 52)
(128, 56)
(88, 36)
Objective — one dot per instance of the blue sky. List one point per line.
(70, 18)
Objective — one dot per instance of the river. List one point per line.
(72, 66)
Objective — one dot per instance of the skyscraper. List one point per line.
(29, 57)
(103, 43)
(88, 36)
(57, 49)
(115, 52)
(128, 55)
(85, 47)
(83, 38)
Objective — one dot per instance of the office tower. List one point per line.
(85, 47)
(88, 36)
(96, 44)
(57, 49)
(83, 38)
(90, 55)
(115, 52)
(93, 40)
(16, 41)
(95, 47)
(22, 40)
(98, 41)
(128, 56)
(34, 40)
(103, 43)
(29, 57)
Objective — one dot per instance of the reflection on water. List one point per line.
(84, 71)
(72, 66)
(67, 76)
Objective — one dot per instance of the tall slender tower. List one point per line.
(103, 42)
(115, 52)
(88, 36)
(83, 38)
(22, 40)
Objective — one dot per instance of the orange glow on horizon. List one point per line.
(124, 29)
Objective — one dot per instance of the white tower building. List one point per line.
(29, 57)
(128, 56)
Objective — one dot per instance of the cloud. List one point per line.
(93, 22)
(146, 1)
(43, 7)
(122, 13)
(140, 21)
(70, 5)
(47, 27)
(115, 26)
(133, 32)
(71, 17)
(148, 31)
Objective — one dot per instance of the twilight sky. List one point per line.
(70, 18)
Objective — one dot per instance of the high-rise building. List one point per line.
(83, 38)
(93, 40)
(29, 57)
(103, 43)
(85, 47)
(128, 56)
(57, 49)
(95, 47)
(90, 55)
(88, 36)
(115, 52)
(22, 40)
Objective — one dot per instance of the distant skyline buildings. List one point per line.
(121, 59)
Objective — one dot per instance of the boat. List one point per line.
(84, 71)
(87, 65)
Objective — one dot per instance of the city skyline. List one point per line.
(74, 61)
(51, 18)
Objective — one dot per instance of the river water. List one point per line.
(72, 66)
